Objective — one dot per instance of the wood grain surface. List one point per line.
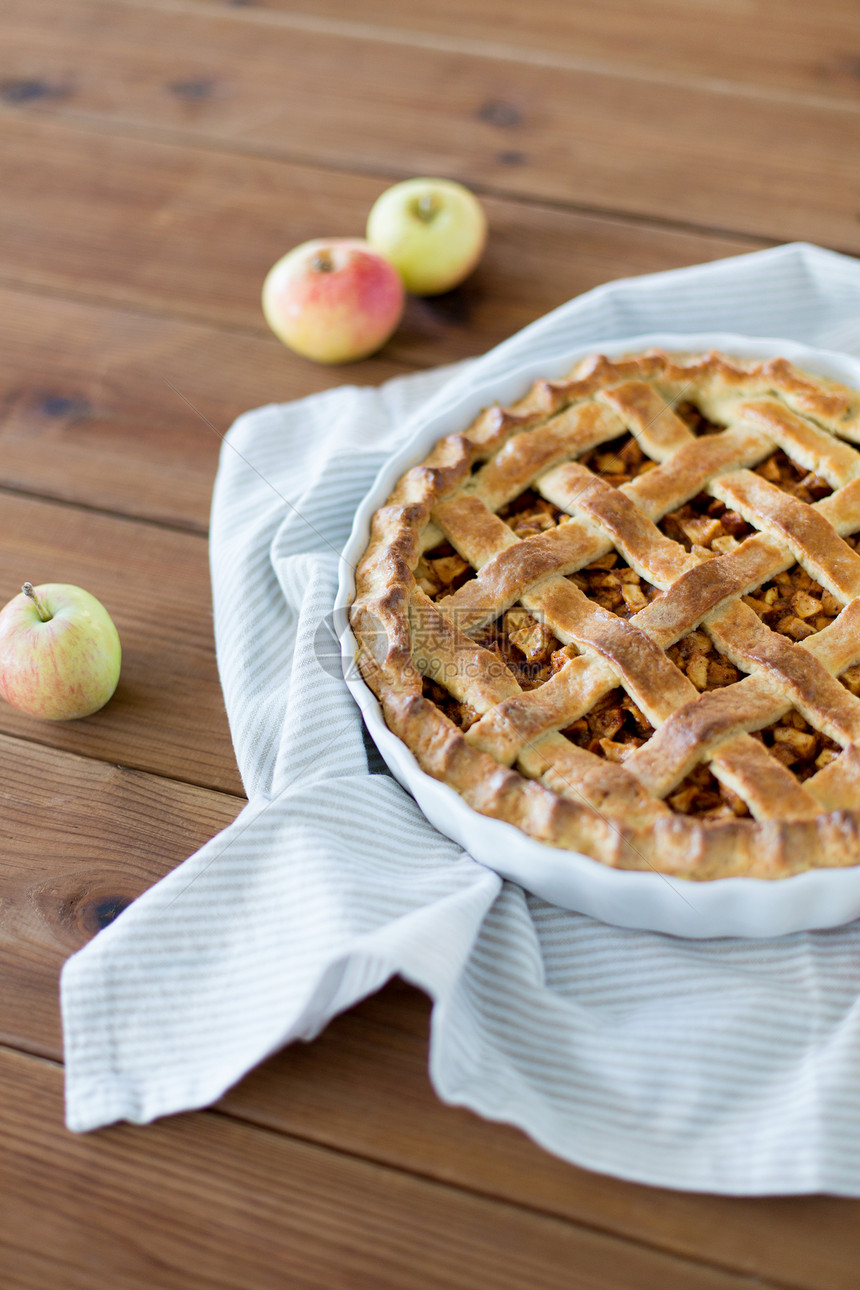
(212, 1201)
(573, 135)
(157, 157)
(97, 401)
(89, 838)
(781, 46)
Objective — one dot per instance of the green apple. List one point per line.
(59, 652)
(333, 300)
(432, 230)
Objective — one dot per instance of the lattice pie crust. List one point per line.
(624, 615)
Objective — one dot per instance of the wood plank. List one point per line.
(779, 45)
(168, 712)
(201, 1202)
(362, 1086)
(603, 140)
(191, 233)
(93, 402)
(81, 840)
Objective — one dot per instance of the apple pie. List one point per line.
(623, 615)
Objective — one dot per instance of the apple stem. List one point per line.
(43, 613)
(322, 262)
(427, 207)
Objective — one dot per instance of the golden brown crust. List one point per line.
(513, 762)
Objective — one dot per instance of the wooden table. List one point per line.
(157, 157)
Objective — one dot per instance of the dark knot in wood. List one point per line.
(501, 113)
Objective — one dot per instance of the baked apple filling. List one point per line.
(794, 604)
(618, 460)
(530, 514)
(805, 485)
(441, 571)
(695, 419)
(702, 794)
(462, 714)
(613, 728)
(524, 645)
(706, 525)
(795, 743)
(698, 658)
(611, 583)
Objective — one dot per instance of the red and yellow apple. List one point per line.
(59, 652)
(334, 300)
(432, 230)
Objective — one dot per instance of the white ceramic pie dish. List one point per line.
(722, 907)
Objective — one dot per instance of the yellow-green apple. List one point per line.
(432, 230)
(334, 299)
(59, 652)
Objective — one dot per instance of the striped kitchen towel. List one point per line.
(727, 1066)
